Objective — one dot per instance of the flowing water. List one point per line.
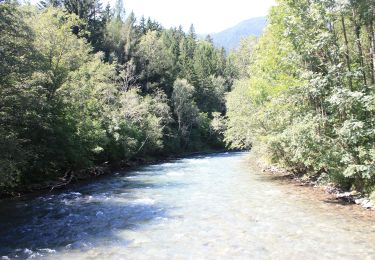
(204, 207)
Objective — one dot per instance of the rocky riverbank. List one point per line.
(323, 191)
(349, 197)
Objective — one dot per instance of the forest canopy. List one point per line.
(82, 84)
(306, 99)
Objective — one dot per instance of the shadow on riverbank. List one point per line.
(99, 172)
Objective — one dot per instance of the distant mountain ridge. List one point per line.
(230, 38)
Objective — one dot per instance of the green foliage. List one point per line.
(155, 58)
(20, 101)
(185, 108)
(81, 86)
(241, 58)
(307, 101)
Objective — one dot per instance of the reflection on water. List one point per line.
(197, 208)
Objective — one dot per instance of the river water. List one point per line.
(204, 207)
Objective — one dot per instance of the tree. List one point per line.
(208, 67)
(114, 41)
(241, 58)
(130, 36)
(184, 107)
(119, 11)
(155, 59)
(186, 57)
(19, 100)
(308, 104)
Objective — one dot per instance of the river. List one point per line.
(203, 207)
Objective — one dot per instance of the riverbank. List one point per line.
(329, 193)
(96, 172)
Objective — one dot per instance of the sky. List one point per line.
(208, 16)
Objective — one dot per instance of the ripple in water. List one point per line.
(198, 208)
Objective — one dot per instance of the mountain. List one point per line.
(230, 38)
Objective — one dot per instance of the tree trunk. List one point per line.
(357, 31)
(370, 31)
(347, 56)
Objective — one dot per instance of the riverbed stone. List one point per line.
(368, 204)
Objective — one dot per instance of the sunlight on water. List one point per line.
(206, 207)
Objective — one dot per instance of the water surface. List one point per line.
(204, 207)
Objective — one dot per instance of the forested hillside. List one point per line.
(82, 85)
(305, 99)
(231, 37)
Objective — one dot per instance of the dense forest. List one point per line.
(306, 97)
(82, 85)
